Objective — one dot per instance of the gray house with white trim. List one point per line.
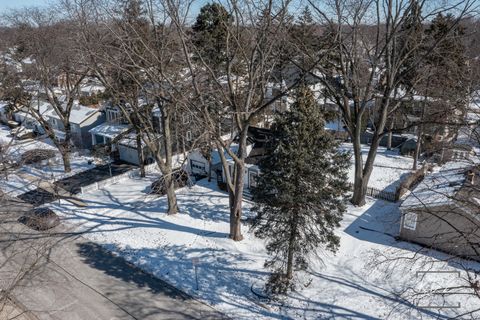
(82, 119)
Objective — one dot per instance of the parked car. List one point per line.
(40, 219)
(180, 180)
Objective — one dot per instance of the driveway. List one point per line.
(71, 185)
(60, 275)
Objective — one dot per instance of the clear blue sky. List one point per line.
(15, 4)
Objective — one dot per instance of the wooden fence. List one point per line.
(380, 194)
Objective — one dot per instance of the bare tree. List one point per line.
(57, 65)
(365, 77)
(134, 51)
(234, 88)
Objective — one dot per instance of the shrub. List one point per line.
(37, 155)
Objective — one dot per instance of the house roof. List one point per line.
(92, 88)
(78, 114)
(109, 130)
(43, 108)
(439, 188)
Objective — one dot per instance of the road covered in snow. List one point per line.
(366, 279)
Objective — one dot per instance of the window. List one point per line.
(252, 179)
(113, 115)
(188, 136)
(199, 166)
(410, 221)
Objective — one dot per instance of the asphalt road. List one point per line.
(61, 275)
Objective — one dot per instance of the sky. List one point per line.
(15, 4)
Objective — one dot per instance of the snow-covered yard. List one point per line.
(15, 148)
(389, 167)
(348, 285)
(28, 177)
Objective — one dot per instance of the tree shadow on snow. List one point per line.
(149, 306)
(147, 214)
(216, 273)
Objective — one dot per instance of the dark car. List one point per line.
(40, 219)
(180, 180)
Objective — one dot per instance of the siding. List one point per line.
(445, 228)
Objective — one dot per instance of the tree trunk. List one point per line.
(359, 188)
(362, 173)
(418, 146)
(65, 149)
(171, 196)
(168, 172)
(239, 174)
(291, 243)
(236, 206)
(390, 136)
(141, 160)
(66, 160)
(416, 153)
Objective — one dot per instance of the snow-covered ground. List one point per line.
(15, 148)
(28, 177)
(389, 167)
(353, 284)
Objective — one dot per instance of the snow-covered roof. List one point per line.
(78, 114)
(28, 60)
(130, 140)
(109, 130)
(440, 187)
(43, 108)
(92, 88)
(233, 148)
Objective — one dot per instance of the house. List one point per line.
(82, 119)
(120, 136)
(4, 112)
(91, 89)
(442, 211)
(108, 132)
(27, 120)
(259, 143)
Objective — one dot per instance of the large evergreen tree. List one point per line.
(210, 33)
(306, 39)
(410, 45)
(447, 60)
(447, 80)
(300, 191)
